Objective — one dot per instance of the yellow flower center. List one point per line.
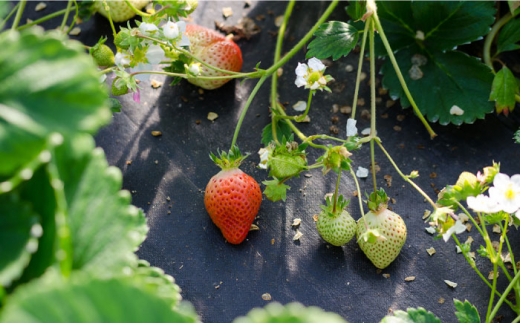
(314, 77)
(510, 193)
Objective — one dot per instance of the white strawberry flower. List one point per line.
(458, 228)
(506, 191)
(148, 28)
(122, 59)
(194, 68)
(176, 32)
(311, 75)
(265, 155)
(483, 203)
(155, 54)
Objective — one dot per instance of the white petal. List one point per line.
(300, 106)
(362, 172)
(315, 64)
(185, 41)
(301, 69)
(182, 26)
(516, 180)
(171, 30)
(194, 69)
(483, 203)
(501, 180)
(351, 127)
(155, 54)
(509, 205)
(122, 59)
(143, 67)
(459, 227)
(146, 28)
(300, 81)
(315, 86)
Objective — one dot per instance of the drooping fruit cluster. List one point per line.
(232, 197)
(213, 48)
(336, 227)
(381, 233)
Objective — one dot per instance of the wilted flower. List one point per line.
(265, 155)
(137, 96)
(506, 192)
(311, 75)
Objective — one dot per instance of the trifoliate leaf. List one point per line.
(437, 25)
(412, 315)
(292, 312)
(282, 130)
(105, 228)
(509, 36)
(333, 39)
(19, 233)
(275, 191)
(504, 88)
(466, 313)
(356, 9)
(421, 32)
(444, 80)
(47, 84)
(84, 299)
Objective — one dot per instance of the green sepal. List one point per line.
(495, 217)
(231, 159)
(288, 159)
(336, 159)
(341, 204)
(371, 236)
(467, 185)
(377, 200)
(275, 190)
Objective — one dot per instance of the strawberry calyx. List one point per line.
(287, 159)
(229, 160)
(341, 204)
(372, 236)
(377, 201)
(336, 159)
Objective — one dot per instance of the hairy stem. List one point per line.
(502, 299)
(19, 13)
(246, 107)
(307, 108)
(400, 75)
(359, 196)
(186, 76)
(360, 68)
(336, 193)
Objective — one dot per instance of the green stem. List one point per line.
(517, 320)
(470, 217)
(186, 76)
(15, 9)
(107, 9)
(291, 125)
(372, 101)
(19, 13)
(302, 117)
(503, 228)
(246, 107)
(304, 40)
(491, 36)
(359, 196)
(66, 16)
(336, 193)
(45, 18)
(76, 16)
(278, 51)
(406, 178)
(400, 75)
(137, 11)
(491, 298)
(502, 299)
(360, 68)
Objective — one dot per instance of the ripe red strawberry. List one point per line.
(383, 234)
(215, 49)
(232, 197)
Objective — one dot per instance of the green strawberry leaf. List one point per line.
(282, 130)
(19, 233)
(356, 9)
(84, 299)
(466, 313)
(105, 228)
(446, 81)
(47, 84)
(333, 39)
(292, 312)
(503, 90)
(412, 315)
(275, 191)
(517, 136)
(424, 34)
(509, 36)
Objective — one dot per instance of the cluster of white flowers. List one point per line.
(504, 195)
(311, 75)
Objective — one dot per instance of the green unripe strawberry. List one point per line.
(282, 166)
(337, 229)
(103, 55)
(390, 235)
(119, 88)
(119, 39)
(119, 10)
(191, 5)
